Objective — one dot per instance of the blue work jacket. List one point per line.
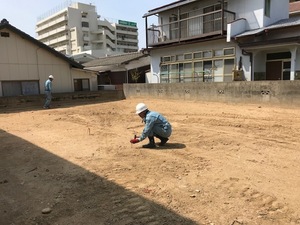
(48, 85)
(155, 124)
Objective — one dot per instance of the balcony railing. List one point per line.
(190, 28)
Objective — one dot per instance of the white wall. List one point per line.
(246, 64)
(279, 11)
(253, 11)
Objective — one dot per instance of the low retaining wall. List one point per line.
(63, 97)
(282, 92)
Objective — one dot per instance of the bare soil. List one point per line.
(225, 164)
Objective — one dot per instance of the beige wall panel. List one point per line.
(14, 72)
(47, 58)
(28, 72)
(18, 72)
(27, 53)
(4, 48)
(21, 60)
(81, 74)
(18, 58)
(12, 53)
(25, 50)
(62, 78)
(33, 72)
(4, 72)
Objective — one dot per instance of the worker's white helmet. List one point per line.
(141, 107)
(51, 76)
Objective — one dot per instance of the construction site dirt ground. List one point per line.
(225, 164)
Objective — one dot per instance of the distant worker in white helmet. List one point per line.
(48, 92)
(156, 125)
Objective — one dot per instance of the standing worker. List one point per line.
(48, 92)
(156, 125)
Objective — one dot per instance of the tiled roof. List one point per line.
(293, 21)
(114, 59)
(118, 62)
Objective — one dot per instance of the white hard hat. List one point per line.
(141, 107)
(51, 76)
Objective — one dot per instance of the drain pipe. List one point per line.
(155, 74)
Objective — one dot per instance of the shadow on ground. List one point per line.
(32, 179)
(29, 106)
(64, 100)
(168, 146)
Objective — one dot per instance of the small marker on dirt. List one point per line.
(89, 131)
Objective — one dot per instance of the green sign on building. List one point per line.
(127, 23)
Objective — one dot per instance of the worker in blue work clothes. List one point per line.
(156, 125)
(48, 92)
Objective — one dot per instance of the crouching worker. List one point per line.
(156, 125)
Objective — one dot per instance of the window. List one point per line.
(173, 27)
(81, 85)
(217, 70)
(173, 74)
(197, 55)
(198, 71)
(84, 24)
(164, 74)
(186, 72)
(279, 55)
(188, 56)
(267, 8)
(84, 14)
(166, 59)
(228, 67)
(15, 88)
(218, 53)
(207, 54)
(212, 18)
(4, 34)
(213, 65)
(229, 51)
(179, 57)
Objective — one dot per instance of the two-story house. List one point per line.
(223, 41)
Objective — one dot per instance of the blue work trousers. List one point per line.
(48, 99)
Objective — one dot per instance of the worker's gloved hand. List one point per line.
(134, 141)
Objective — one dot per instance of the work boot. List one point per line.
(163, 140)
(151, 143)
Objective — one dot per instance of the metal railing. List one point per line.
(196, 76)
(189, 28)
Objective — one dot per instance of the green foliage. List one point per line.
(135, 75)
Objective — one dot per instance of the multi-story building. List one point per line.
(223, 41)
(76, 29)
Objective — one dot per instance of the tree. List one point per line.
(135, 75)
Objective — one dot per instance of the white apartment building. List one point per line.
(76, 30)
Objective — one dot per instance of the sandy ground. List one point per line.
(225, 164)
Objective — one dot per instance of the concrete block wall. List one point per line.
(279, 92)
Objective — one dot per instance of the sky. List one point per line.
(23, 14)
